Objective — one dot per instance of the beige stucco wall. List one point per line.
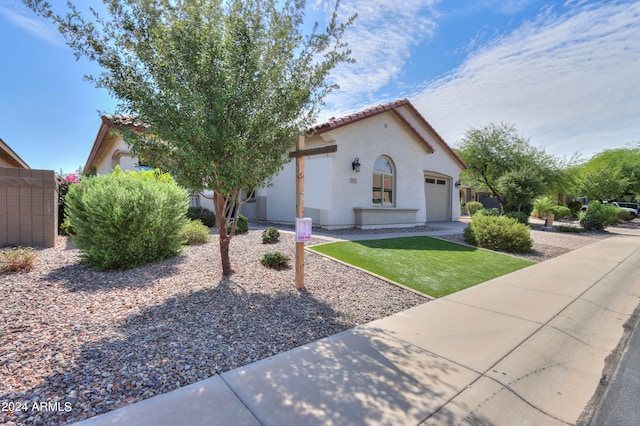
(333, 189)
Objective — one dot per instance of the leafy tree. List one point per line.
(602, 183)
(502, 161)
(223, 87)
(612, 174)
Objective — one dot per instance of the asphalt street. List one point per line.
(620, 394)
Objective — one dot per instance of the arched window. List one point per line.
(383, 182)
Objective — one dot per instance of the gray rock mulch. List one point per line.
(83, 342)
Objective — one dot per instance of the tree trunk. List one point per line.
(219, 205)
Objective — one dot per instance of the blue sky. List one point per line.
(565, 73)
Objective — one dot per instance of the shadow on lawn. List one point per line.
(415, 243)
(159, 348)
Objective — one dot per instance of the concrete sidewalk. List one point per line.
(525, 348)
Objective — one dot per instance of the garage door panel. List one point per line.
(437, 197)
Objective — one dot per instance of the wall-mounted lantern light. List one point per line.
(458, 184)
(356, 165)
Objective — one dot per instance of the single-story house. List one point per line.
(109, 149)
(8, 157)
(390, 169)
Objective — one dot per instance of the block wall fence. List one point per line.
(28, 207)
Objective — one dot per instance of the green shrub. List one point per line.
(127, 219)
(206, 216)
(270, 235)
(567, 228)
(473, 207)
(575, 207)
(16, 259)
(560, 212)
(66, 228)
(241, 228)
(542, 207)
(468, 236)
(623, 215)
(598, 216)
(275, 260)
(521, 217)
(499, 233)
(488, 212)
(194, 232)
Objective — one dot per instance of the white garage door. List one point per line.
(437, 193)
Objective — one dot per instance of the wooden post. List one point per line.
(300, 211)
(299, 155)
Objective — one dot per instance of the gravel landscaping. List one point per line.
(83, 342)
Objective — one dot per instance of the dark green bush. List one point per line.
(499, 233)
(127, 219)
(575, 207)
(275, 260)
(521, 217)
(468, 236)
(270, 235)
(488, 212)
(195, 232)
(241, 228)
(206, 216)
(560, 212)
(598, 216)
(473, 207)
(66, 228)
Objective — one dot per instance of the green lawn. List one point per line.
(431, 266)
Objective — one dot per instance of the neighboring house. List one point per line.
(109, 149)
(8, 158)
(407, 174)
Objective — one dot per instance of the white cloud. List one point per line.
(570, 83)
(381, 41)
(33, 26)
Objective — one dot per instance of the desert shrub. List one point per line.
(194, 232)
(575, 207)
(468, 236)
(275, 260)
(206, 216)
(567, 228)
(598, 216)
(16, 259)
(127, 219)
(560, 212)
(488, 212)
(241, 228)
(270, 235)
(521, 217)
(499, 233)
(542, 207)
(623, 215)
(473, 207)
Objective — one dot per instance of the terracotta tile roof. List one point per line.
(108, 123)
(392, 107)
